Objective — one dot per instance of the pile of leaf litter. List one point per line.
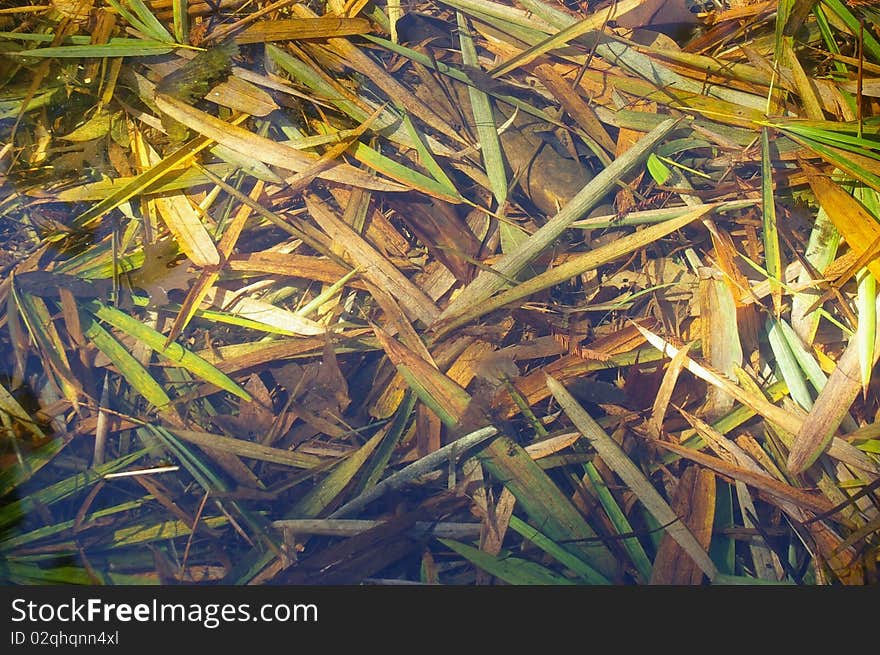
(453, 292)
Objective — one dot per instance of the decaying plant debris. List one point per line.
(456, 292)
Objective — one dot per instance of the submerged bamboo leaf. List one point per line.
(788, 364)
(867, 332)
(10, 406)
(329, 489)
(854, 222)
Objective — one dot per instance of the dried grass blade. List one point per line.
(294, 29)
(720, 338)
(805, 88)
(398, 93)
(510, 265)
(243, 96)
(174, 352)
(527, 18)
(558, 274)
(694, 501)
(248, 449)
(854, 222)
(760, 481)
(575, 106)
(664, 393)
(771, 412)
(375, 267)
(142, 182)
(207, 278)
(870, 43)
(264, 313)
(573, 29)
(612, 454)
(266, 150)
(184, 223)
(831, 407)
(446, 398)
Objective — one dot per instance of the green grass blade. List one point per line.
(142, 19)
(426, 157)
(788, 364)
(542, 541)
(510, 265)
(140, 183)
(513, 570)
(772, 253)
(618, 519)
(141, 533)
(119, 48)
(867, 330)
(22, 471)
(174, 352)
(180, 19)
(36, 316)
(871, 44)
(722, 549)
(403, 174)
(614, 456)
(855, 167)
(384, 451)
(129, 368)
(326, 491)
(484, 118)
(63, 526)
(543, 501)
(210, 481)
(12, 512)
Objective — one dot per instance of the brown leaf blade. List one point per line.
(694, 501)
(614, 456)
